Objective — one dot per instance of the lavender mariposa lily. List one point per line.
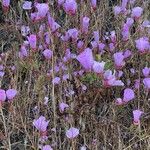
(146, 72)
(128, 95)
(70, 7)
(94, 4)
(86, 59)
(109, 79)
(136, 12)
(98, 67)
(136, 116)
(32, 41)
(119, 60)
(11, 94)
(146, 82)
(85, 24)
(47, 147)
(5, 5)
(72, 133)
(2, 95)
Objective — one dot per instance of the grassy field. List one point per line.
(59, 59)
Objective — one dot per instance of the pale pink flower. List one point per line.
(72, 133)
(136, 116)
(27, 5)
(98, 67)
(11, 93)
(41, 124)
(2, 95)
(62, 106)
(70, 7)
(128, 95)
(136, 12)
(85, 24)
(119, 101)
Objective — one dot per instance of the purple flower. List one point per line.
(85, 25)
(11, 93)
(73, 33)
(72, 133)
(62, 106)
(119, 101)
(70, 7)
(60, 2)
(65, 77)
(47, 54)
(119, 60)
(101, 47)
(125, 32)
(86, 59)
(25, 30)
(56, 80)
(98, 67)
(2, 95)
(94, 44)
(83, 148)
(124, 4)
(117, 10)
(136, 12)
(110, 79)
(27, 5)
(146, 71)
(128, 95)
(137, 84)
(23, 52)
(32, 41)
(5, 4)
(93, 3)
(47, 147)
(111, 47)
(127, 53)
(96, 36)
(129, 22)
(146, 82)
(113, 36)
(41, 123)
(136, 116)
(80, 44)
(142, 44)
(42, 10)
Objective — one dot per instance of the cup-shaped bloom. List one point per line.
(98, 67)
(128, 95)
(127, 53)
(47, 53)
(80, 44)
(136, 12)
(5, 4)
(27, 5)
(60, 2)
(113, 36)
(137, 84)
(56, 80)
(117, 10)
(23, 53)
(85, 24)
(47, 147)
(136, 116)
(101, 47)
(129, 22)
(111, 47)
(142, 44)
(119, 60)
(70, 7)
(110, 79)
(124, 4)
(41, 124)
(42, 10)
(146, 82)
(119, 101)
(11, 93)
(73, 33)
(86, 59)
(96, 36)
(146, 71)
(54, 26)
(125, 32)
(94, 4)
(63, 106)
(2, 95)
(32, 41)
(72, 133)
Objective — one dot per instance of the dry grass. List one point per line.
(94, 111)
